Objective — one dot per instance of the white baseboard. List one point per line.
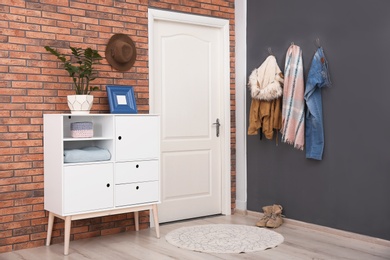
(241, 205)
(320, 228)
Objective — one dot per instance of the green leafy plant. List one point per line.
(80, 67)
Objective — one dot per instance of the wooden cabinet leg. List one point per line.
(68, 222)
(136, 220)
(155, 216)
(49, 228)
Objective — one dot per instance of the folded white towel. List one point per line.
(87, 154)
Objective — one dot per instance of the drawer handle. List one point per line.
(137, 166)
(119, 137)
(137, 187)
(108, 185)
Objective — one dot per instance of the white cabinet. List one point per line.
(127, 180)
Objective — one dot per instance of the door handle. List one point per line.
(217, 124)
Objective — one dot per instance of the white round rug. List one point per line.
(224, 238)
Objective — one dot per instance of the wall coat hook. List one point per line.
(318, 42)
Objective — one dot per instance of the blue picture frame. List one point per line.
(121, 99)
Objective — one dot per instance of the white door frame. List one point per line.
(241, 90)
(223, 25)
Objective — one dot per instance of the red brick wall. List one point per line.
(32, 83)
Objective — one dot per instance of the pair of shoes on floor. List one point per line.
(272, 217)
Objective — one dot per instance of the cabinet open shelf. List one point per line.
(72, 139)
(86, 163)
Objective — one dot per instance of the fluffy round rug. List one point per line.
(224, 238)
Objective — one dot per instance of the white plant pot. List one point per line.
(80, 104)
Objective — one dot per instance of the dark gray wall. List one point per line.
(349, 188)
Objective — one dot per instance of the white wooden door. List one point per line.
(188, 78)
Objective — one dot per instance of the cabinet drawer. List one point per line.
(136, 193)
(138, 171)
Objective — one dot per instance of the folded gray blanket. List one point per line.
(87, 154)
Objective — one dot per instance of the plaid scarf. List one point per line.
(293, 116)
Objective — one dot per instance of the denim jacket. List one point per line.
(318, 77)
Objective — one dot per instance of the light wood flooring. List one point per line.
(300, 243)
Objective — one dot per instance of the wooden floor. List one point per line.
(300, 243)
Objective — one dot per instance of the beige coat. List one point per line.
(265, 112)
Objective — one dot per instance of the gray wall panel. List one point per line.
(349, 188)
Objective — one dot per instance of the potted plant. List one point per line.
(80, 69)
